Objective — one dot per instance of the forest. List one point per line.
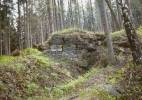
(70, 49)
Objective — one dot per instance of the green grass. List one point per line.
(43, 61)
(69, 30)
(95, 92)
(76, 87)
(139, 31)
(32, 71)
(121, 33)
(117, 76)
(118, 34)
(25, 52)
(6, 59)
(66, 88)
(32, 87)
(73, 85)
(30, 51)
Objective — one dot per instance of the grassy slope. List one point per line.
(121, 33)
(30, 74)
(87, 87)
(93, 86)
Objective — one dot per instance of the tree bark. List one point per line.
(113, 14)
(119, 14)
(19, 26)
(135, 44)
(111, 57)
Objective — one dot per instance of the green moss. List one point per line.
(118, 34)
(38, 98)
(94, 92)
(121, 33)
(32, 71)
(69, 30)
(18, 67)
(43, 61)
(30, 51)
(26, 52)
(117, 76)
(132, 83)
(32, 88)
(7, 59)
(139, 31)
(57, 92)
(3, 87)
(73, 85)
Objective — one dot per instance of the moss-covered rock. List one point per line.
(71, 44)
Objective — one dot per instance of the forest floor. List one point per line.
(35, 76)
(100, 86)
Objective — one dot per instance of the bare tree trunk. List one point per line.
(113, 14)
(62, 13)
(24, 26)
(9, 43)
(83, 15)
(135, 44)
(70, 14)
(1, 44)
(42, 33)
(19, 27)
(54, 15)
(50, 16)
(6, 43)
(98, 18)
(60, 20)
(111, 57)
(119, 15)
(1, 35)
(28, 25)
(140, 1)
(1, 47)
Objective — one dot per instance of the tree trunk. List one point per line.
(111, 58)
(19, 27)
(113, 14)
(119, 15)
(83, 15)
(135, 44)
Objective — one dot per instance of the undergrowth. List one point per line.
(132, 84)
(95, 93)
(6, 59)
(30, 74)
(69, 30)
(77, 83)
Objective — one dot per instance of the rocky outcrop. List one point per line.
(82, 47)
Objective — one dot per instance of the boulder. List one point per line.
(16, 52)
(81, 47)
(41, 47)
